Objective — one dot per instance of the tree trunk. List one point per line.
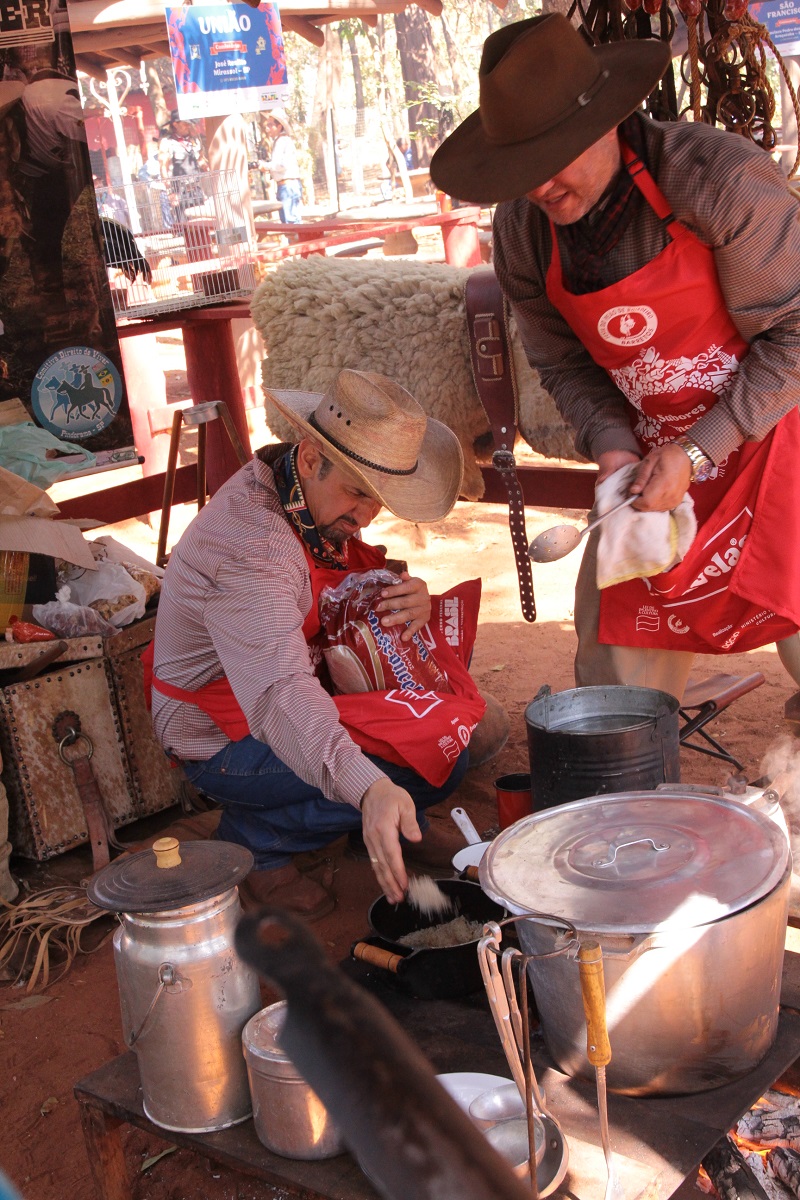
(329, 78)
(358, 82)
(418, 65)
(155, 94)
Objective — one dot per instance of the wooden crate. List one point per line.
(102, 682)
(45, 811)
(155, 782)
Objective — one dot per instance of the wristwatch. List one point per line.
(702, 466)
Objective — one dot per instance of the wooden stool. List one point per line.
(707, 699)
(197, 415)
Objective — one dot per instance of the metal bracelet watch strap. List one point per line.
(702, 466)
(493, 373)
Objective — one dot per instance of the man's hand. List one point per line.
(386, 812)
(612, 460)
(663, 479)
(406, 603)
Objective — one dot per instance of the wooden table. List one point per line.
(658, 1142)
(459, 234)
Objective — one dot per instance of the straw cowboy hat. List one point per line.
(546, 95)
(373, 428)
(280, 116)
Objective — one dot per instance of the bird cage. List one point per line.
(175, 243)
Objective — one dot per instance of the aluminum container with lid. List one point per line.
(184, 993)
(289, 1117)
(688, 896)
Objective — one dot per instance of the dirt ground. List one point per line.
(49, 1041)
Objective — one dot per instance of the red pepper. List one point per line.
(26, 631)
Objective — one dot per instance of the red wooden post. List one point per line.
(212, 374)
(461, 245)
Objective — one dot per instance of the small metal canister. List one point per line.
(289, 1117)
(184, 993)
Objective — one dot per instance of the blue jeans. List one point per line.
(290, 193)
(271, 811)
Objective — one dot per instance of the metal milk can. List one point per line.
(185, 994)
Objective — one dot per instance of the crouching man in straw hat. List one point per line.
(235, 697)
(654, 274)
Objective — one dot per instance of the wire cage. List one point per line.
(175, 243)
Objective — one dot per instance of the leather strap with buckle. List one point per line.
(493, 372)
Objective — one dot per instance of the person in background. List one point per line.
(653, 270)
(113, 167)
(283, 167)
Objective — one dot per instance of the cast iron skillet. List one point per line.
(431, 974)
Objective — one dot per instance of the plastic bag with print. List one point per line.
(422, 727)
(362, 655)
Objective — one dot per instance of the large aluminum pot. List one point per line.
(688, 896)
(185, 995)
(590, 740)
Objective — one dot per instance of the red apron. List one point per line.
(666, 339)
(425, 731)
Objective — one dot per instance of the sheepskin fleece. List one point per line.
(404, 319)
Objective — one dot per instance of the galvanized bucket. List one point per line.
(592, 740)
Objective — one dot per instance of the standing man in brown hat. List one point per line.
(236, 697)
(654, 274)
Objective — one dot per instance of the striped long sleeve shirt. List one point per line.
(233, 602)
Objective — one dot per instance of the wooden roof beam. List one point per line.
(303, 28)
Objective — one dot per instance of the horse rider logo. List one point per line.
(628, 325)
(76, 393)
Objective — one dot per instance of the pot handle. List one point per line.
(543, 691)
(167, 975)
(640, 944)
(376, 956)
(660, 721)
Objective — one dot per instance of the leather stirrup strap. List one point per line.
(493, 372)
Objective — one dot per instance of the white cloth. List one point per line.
(634, 545)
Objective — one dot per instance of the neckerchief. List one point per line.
(588, 240)
(290, 494)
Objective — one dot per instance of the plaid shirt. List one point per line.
(733, 197)
(233, 602)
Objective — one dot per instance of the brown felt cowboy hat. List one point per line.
(546, 95)
(373, 428)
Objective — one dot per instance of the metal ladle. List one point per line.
(560, 540)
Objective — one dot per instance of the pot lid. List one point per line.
(260, 1034)
(636, 862)
(171, 875)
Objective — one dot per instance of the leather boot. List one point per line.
(490, 734)
(285, 887)
(791, 712)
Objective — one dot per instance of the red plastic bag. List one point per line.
(363, 656)
(25, 631)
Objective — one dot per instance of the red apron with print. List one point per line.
(425, 731)
(667, 341)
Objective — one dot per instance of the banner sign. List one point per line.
(25, 21)
(782, 19)
(226, 58)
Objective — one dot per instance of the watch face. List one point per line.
(703, 472)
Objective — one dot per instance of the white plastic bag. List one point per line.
(114, 594)
(70, 620)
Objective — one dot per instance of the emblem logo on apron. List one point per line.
(626, 325)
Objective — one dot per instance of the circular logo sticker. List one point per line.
(76, 393)
(677, 625)
(626, 326)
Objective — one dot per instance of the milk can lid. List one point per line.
(636, 862)
(171, 875)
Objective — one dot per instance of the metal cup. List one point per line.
(514, 798)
